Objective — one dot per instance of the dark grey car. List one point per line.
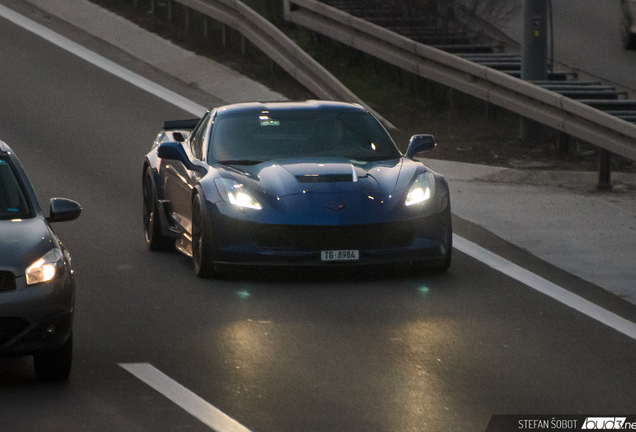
(37, 289)
(628, 23)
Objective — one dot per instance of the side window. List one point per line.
(198, 137)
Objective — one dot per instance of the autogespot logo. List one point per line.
(605, 423)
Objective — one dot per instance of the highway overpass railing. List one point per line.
(562, 113)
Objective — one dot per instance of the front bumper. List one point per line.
(38, 317)
(424, 239)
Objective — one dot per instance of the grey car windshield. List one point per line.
(13, 204)
(262, 136)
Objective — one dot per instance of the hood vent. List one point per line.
(325, 178)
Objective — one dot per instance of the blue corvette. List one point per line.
(293, 183)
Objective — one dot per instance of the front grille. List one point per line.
(10, 327)
(312, 237)
(7, 281)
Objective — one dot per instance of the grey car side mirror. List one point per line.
(62, 210)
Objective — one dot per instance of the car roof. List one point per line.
(310, 105)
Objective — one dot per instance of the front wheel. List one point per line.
(54, 364)
(202, 253)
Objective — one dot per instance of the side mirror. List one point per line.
(420, 143)
(174, 151)
(62, 210)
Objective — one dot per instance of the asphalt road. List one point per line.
(280, 350)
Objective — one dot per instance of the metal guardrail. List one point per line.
(552, 109)
(280, 48)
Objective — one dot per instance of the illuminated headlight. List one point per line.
(422, 189)
(235, 193)
(46, 268)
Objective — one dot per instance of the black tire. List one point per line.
(202, 250)
(54, 365)
(152, 227)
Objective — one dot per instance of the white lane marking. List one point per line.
(516, 272)
(545, 286)
(193, 404)
(103, 63)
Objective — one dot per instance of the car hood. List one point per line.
(23, 242)
(285, 177)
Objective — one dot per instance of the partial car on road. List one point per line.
(37, 288)
(628, 23)
(293, 183)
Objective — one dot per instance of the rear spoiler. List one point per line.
(180, 124)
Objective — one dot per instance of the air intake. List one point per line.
(325, 178)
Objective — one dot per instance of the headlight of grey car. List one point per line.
(46, 268)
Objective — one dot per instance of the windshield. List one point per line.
(13, 204)
(257, 137)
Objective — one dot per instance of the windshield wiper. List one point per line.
(240, 162)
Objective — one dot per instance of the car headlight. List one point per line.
(235, 193)
(46, 268)
(421, 190)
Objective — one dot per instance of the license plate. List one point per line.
(340, 255)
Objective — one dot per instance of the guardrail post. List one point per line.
(153, 7)
(286, 10)
(604, 170)
(563, 144)
(206, 27)
(170, 11)
(243, 47)
(187, 18)
(224, 36)
(452, 102)
(491, 112)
